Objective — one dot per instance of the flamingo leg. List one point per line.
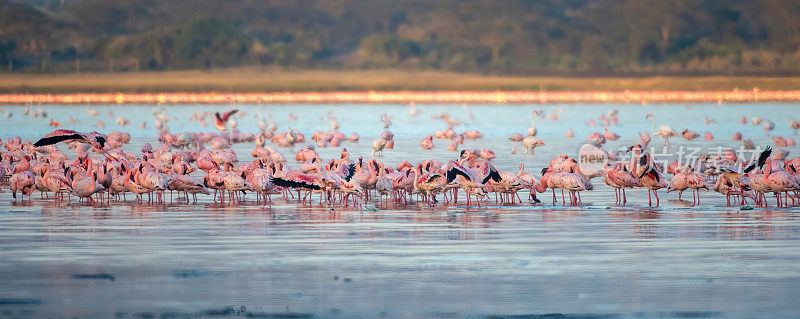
(658, 200)
(624, 197)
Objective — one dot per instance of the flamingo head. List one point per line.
(649, 115)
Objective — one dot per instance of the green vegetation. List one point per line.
(516, 37)
(271, 80)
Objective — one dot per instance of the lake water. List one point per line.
(131, 260)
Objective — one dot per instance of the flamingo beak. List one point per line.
(649, 115)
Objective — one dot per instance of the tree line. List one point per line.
(522, 37)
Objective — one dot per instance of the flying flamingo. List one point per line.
(94, 139)
(223, 119)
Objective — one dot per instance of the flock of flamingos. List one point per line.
(192, 163)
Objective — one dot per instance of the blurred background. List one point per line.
(564, 37)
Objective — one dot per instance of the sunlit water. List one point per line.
(131, 260)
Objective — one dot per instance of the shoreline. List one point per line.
(423, 97)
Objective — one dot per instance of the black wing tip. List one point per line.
(56, 139)
(453, 173)
(102, 141)
(643, 160)
(351, 170)
(493, 175)
(293, 184)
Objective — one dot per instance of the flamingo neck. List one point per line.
(767, 169)
(653, 128)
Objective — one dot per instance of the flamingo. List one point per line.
(758, 185)
(86, 186)
(529, 143)
(427, 185)
(23, 182)
(596, 138)
(664, 131)
(516, 137)
(223, 119)
(123, 121)
(532, 130)
(768, 126)
(472, 135)
(427, 142)
(611, 136)
(96, 140)
(685, 179)
(620, 178)
(528, 182)
(650, 177)
(378, 145)
(795, 125)
(383, 185)
(689, 135)
(779, 180)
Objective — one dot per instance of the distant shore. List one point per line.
(251, 85)
(408, 97)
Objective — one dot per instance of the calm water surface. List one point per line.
(131, 260)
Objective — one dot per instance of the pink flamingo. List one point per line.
(611, 136)
(23, 182)
(427, 142)
(650, 178)
(620, 178)
(689, 135)
(779, 181)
